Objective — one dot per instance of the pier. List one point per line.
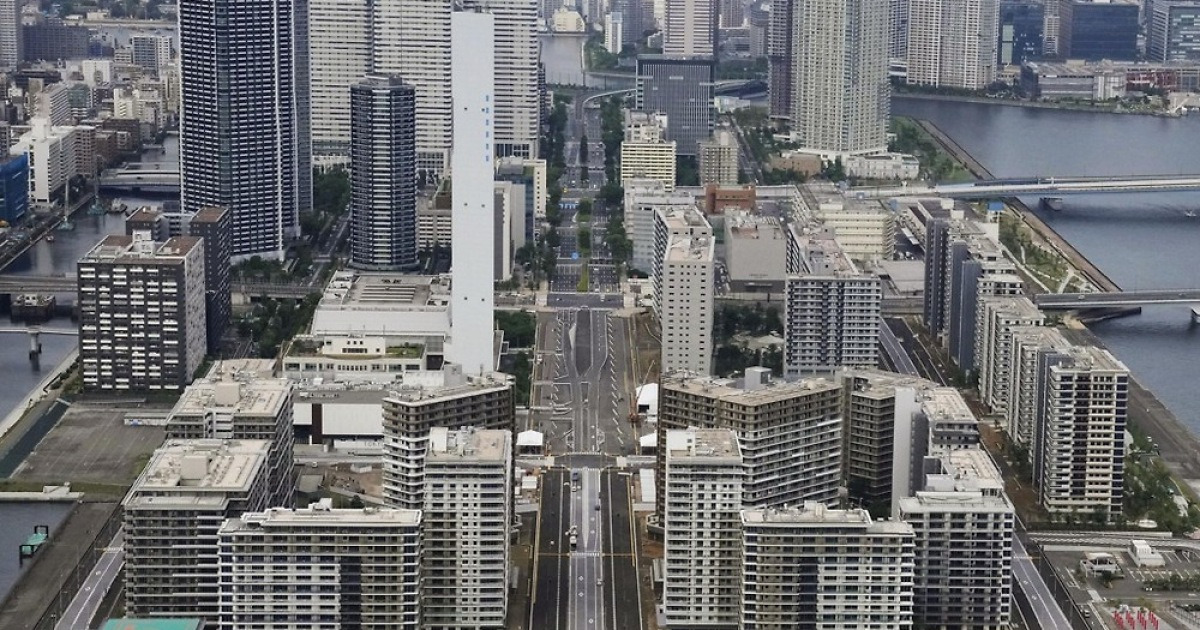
(41, 533)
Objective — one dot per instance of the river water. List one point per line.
(1141, 241)
(19, 519)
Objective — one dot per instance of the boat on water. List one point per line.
(117, 208)
(1052, 203)
(1191, 214)
(50, 238)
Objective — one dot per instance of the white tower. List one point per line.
(472, 173)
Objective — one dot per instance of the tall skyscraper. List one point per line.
(240, 130)
(897, 28)
(11, 34)
(953, 43)
(411, 39)
(340, 42)
(681, 88)
(150, 52)
(690, 28)
(473, 171)
(779, 59)
(515, 119)
(839, 85)
(383, 174)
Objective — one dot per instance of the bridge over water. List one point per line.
(1078, 301)
(1041, 186)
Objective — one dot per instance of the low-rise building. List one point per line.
(410, 309)
(890, 166)
(865, 228)
(755, 252)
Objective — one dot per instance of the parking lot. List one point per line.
(92, 444)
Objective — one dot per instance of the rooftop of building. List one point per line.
(386, 291)
(322, 514)
(820, 253)
(747, 226)
(1091, 358)
(690, 249)
(829, 199)
(721, 138)
(207, 465)
(703, 443)
(129, 623)
(325, 346)
(209, 214)
(243, 392)
(817, 514)
(946, 404)
(1019, 306)
(682, 217)
(736, 391)
(455, 384)
(486, 445)
(140, 248)
(880, 383)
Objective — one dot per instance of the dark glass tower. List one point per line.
(383, 171)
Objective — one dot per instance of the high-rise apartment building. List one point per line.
(466, 519)
(790, 434)
(952, 43)
(702, 529)
(684, 289)
(12, 44)
(690, 28)
(964, 528)
(1173, 31)
(978, 269)
(383, 174)
(994, 345)
(172, 514)
(473, 212)
(243, 121)
(484, 402)
(329, 568)
(780, 69)
(838, 81)
(644, 198)
(719, 159)
(516, 120)
(897, 29)
(141, 313)
(237, 403)
(1030, 347)
(832, 310)
(150, 52)
(1079, 463)
(1022, 29)
(645, 152)
(810, 566)
(681, 88)
(340, 52)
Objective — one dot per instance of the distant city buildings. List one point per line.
(141, 313)
(643, 200)
(383, 174)
(702, 528)
(952, 43)
(14, 187)
(681, 88)
(1022, 30)
(690, 28)
(244, 124)
(151, 52)
(1173, 31)
(466, 517)
(11, 35)
(332, 567)
(516, 120)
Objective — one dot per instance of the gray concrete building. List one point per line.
(681, 88)
(719, 159)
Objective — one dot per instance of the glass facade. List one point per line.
(14, 186)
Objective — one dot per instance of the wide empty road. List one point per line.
(589, 352)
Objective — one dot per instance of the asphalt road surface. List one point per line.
(622, 595)
(549, 610)
(922, 360)
(91, 594)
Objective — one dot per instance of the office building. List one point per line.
(832, 309)
(14, 187)
(993, 348)
(172, 515)
(51, 40)
(952, 43)
(141, 313)
(681, 88)
(340, 46)
(719, 159)
(1173, 31)
(789, 433)
(516, 114)
(466, 519)
(51, 152)
(702, 529)
(964, 527)
(243, 122)
(732, 13)
(150, 52)
(1022, 24)
(237, 403)
(614, 27)
(1079, 463)
(212, 225)
(358, 567)
(383, 174)
(897, 29)
(838, 80)
(645, 151)
(810, 566)
(12, 45)
(637, 17)
(530, 176)
(684, 281)
(780, 53)
(755, 252)
(643, 200)
(1099, 30)
(483, 402)
(473, 214)
(1030, 347)
(690, 28)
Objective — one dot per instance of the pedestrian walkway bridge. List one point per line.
(1041, 186)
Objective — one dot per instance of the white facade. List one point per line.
(151, 52)
(516, 118)
(689, 28)
(340, 43)
(466, 520)
(839, 85)
(51, 153)
(684, 289)
(994, 345)
(614, 33)
(1030, 344)
(473, 210)
(54, 104)
(865, 229)
(644, 198)
(701, 528)
(719, 159)
(883, 166)
(952, 43)
(354, 566)
(412, 39)
(645, 152)
(815, 567)
(1079, 459)
(832, 312)
(12, 39)
(964, 526)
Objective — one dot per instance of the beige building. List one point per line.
(994, 340)
(864, 228)
(645, 152)
(952, 43)
(719, 159)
